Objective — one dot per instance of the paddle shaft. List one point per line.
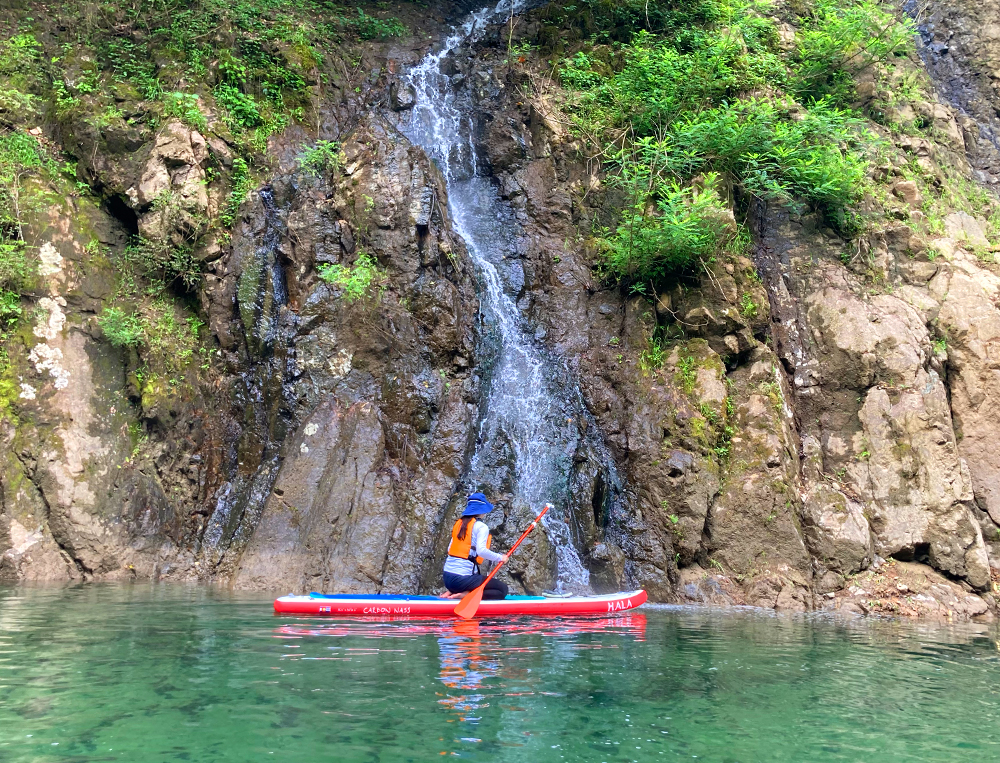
(513, 548)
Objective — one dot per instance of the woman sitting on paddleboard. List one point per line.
(470, 545)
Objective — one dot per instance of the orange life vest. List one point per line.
(462, 547)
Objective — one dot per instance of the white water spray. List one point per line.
(528, 405)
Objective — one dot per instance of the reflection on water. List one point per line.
(160, 673)
(470, 650)
(468, 658)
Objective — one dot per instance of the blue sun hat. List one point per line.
(477, 505)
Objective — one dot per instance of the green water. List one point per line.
(139, 673)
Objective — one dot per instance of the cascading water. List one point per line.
(533, 408)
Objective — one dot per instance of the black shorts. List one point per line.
(495, 589)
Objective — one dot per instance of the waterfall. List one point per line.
(532, 411)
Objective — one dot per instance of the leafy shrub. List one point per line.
(242, 182)
(15, 270)
(373, 28)
(770, 154)
(20, 155)
(164, 262)
(164, 337)
(665, 108)
(184, 106)
(323, 157)
(269, 126)
(20, 53)
(170, 339)
(651, 244)
(242, 111)
(361, 280)
(129, 61)
(120, 328)
(653, 356)
(841, 38)
(657, 82)
(10, 308)
(617, 20)
(19, 62)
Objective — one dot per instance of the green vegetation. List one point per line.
(164, 260)
(371, 27)
(21, 156)
(18, 64)
(184, 106)
(362, 280)
(648, 246)
(120, 328)
(840, 39)
(687, 373)
(257, 65)
(242, 182)
(163, 334)
(707, 87)
(238, 71)
(653, 356)
(319, 159)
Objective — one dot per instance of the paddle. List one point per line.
(469, 604)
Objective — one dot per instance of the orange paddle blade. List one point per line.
(469, 604)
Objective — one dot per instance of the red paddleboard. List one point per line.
(381, 605)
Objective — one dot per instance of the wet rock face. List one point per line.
(395, 365)
(961, 49)
(383, 398)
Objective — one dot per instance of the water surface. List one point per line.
(170, 673)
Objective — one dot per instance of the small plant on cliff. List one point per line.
(10, 308)
(371, 27)
(687, 373)
(20, 157)
(121, 329)
(652, 358)
(242, 182)
(19, 53)
(321, 158)
(184, 106)
(664, 231)
(362, 280)
(840, 38)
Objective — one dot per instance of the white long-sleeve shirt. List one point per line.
(480, 532)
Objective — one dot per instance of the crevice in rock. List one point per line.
(118, 208)
(84, 570)
(918, 552)
(599, 502)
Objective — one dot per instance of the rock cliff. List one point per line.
(816, 433)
